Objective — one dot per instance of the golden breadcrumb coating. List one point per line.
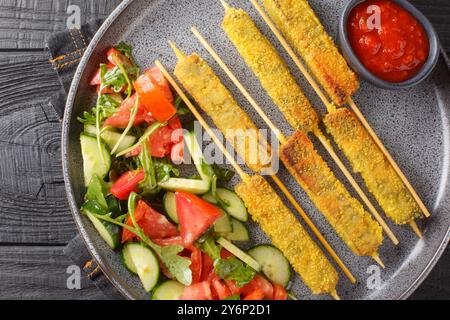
(368, 160)
(214, 98)
(280, 225)
(304, 31)
(346, 215)
(270, 69)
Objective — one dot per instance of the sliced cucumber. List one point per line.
(126, 260)
(204, 169)
(223, 224)
(187, 185)
(111, 138)
(144, 261)
(273, 263)
(170, 206)
(95, 161)
(239, 233)
(239, 253)
(168, 290)
(235, 206)
(209, 198)
(109, 232)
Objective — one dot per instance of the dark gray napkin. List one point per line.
(67, 49)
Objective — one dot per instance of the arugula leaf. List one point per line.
(125, 49)
(234, 269)
(115, 78)
(178, 266)
(95, 192)
(223, 175)
(148, 185)
(208, 245)
(165, 170)
(234, 297)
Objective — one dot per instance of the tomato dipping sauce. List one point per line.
(388, 40)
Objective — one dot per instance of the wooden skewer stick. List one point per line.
(389, 157)
(314, 229)
(283, 139)
(335, 295)
(244, 176)
(222, 148)
(330, 106)
(376, 257)
(416, 229)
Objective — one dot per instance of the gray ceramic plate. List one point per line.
(413, 123)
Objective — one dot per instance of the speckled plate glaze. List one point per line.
(413, 123)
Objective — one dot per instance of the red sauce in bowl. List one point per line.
(388, 40)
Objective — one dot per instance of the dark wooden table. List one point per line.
(35, 222)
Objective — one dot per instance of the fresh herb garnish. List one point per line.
(234, 269)
(208, 245)
(234, 297)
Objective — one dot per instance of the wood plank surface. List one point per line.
(35, 222)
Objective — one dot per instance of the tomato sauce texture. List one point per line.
(388, 40)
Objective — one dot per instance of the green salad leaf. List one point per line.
(234, 269)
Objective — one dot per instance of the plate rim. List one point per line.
(121, 286)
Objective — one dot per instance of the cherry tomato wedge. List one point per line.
(115, 57)
(96, 79)
(220, 288)
(196, 264)
(207, 267)
(279, 293)
(231, 284)
(157, 75)
(121, 118)
(258, 294)
(154, 98)
(261, 283)
(198, 291)
(127, 183)
(195, 216)
(154, 224)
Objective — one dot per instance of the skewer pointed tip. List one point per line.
(180, 54)
(416, 229)
(335, 295)
(225, 5)
(378, 260)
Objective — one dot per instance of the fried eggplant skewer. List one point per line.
(276, 79)
(292, 18)
(276, 220)
(347, 216)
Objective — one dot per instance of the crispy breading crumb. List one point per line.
(353, 224)
(280, 225)
(368, 160)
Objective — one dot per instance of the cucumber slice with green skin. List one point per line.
(241, 255)
(93, 162)
(126, 260)
(210, 198)
(239, 233)
(204, 169)
(144, 261)
(108, 231)
(273, 263)
(235, 206)
(168, 290)
(187, 185)
(223, 224)
(111, 138)
(170, 206)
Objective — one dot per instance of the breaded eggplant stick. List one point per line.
(286, 233)
(194, 74)
(301, 27)
(276, 220)
(237, 127)
(346, 215)
(367, 159)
